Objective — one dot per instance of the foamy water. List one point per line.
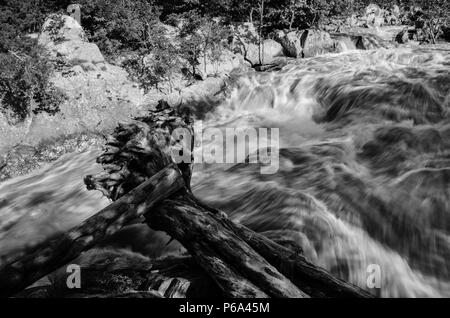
(337, 204)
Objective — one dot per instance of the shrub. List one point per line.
(200, 37)
(117, 25)
(25, 85)
(155, 62)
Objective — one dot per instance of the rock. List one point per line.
(291, 43)
(60, 28)
(446, 33)
(344, 42)
(75, 12)
(223, 65)
(317, 42)
(246, 43)
(402, 37)
(270, 51)
(64, 37)
(371, 42)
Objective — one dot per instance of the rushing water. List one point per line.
(364, 173)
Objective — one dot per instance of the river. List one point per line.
(363, 179)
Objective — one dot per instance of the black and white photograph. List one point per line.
(217, 156)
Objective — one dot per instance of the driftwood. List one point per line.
(241, 262)
(231, 262)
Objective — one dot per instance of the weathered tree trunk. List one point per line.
(19, 271)
(313, 280)
(201, 228)
(219, 250)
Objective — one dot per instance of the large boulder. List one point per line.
(312, 42)
(372, 42)
(402, 37)
(317, 42)
(246, 42)
(291, 43)
(64, 37)
(344, 42)
(270, 51)
(219, 65)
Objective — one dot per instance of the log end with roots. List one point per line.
(138, 150)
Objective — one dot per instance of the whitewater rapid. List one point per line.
(328, 109)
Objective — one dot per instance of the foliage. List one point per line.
(53, 29)
(431, 19)
(155, 62)
(25, 85)
(200, 37)
(116, 25)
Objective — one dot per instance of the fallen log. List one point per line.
(199, 227)
(19, 271)
(315, 281)
(218, 250)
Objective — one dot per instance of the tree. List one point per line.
(25, 86)
(116, 25)
(156, 61)
(200, 37)
(431, 19)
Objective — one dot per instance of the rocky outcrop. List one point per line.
(246, 42)
(100, 94)
(291, 43)
(306, 43)
(402, 37)
(64, 37)
(220, 66)
(344, 42)
(266, 53)
(317, 42)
